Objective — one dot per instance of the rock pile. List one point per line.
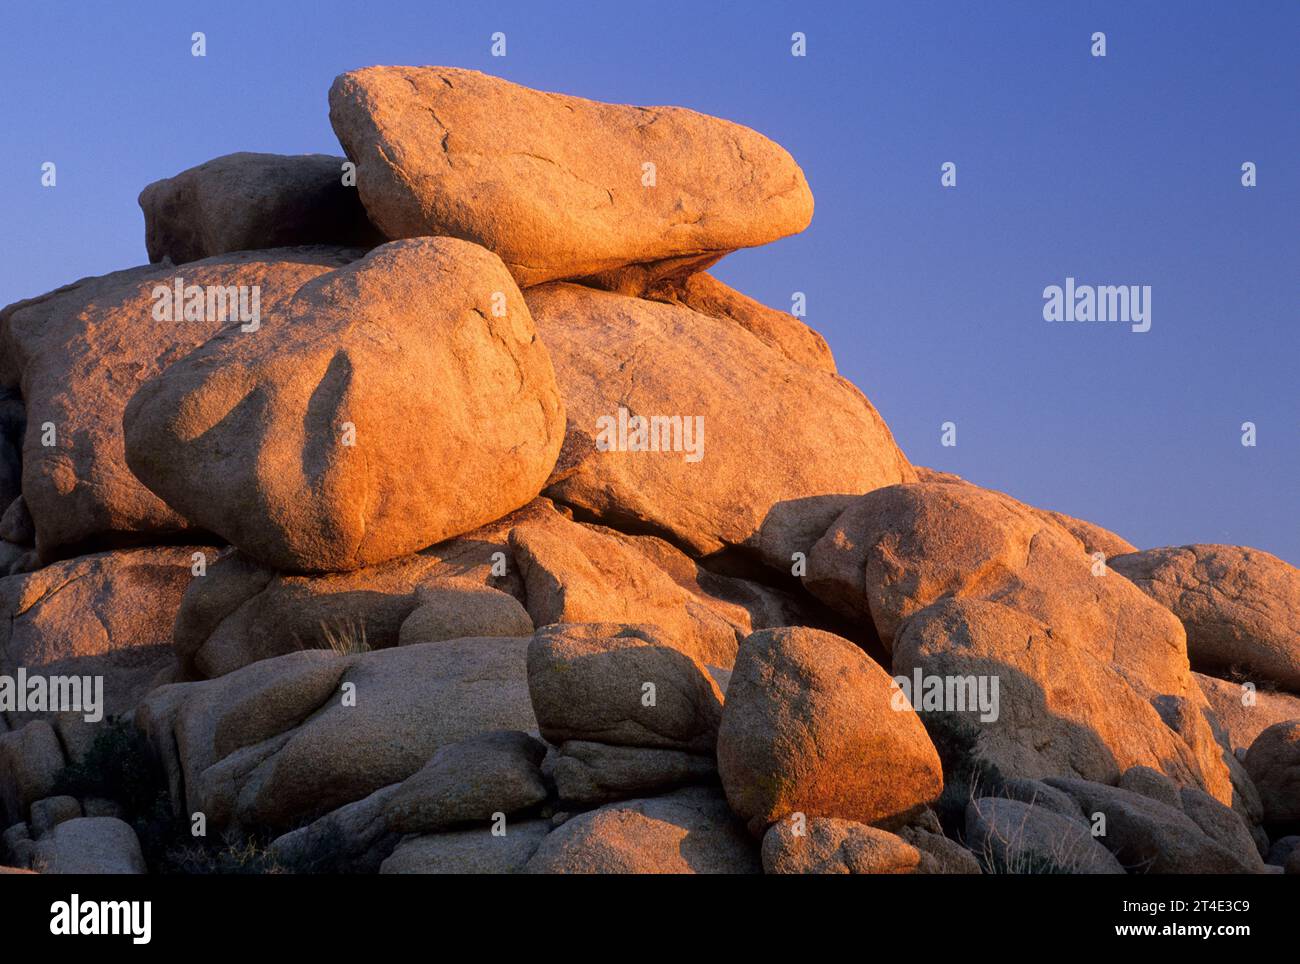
(431, 509)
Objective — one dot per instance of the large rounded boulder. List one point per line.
(397, 402)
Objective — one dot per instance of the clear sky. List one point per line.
(1117, 170)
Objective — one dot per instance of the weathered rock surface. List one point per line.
(387, 408)
(624, 685)
(354, 839)
(90, 845)
(557, 185)
(595, 773)
(1035, 793)
(1273, 762)
(293, 738)
(1151, 783)
(899, 549)
(832, 846)
(108, 614)
(787, 334)
(940, 855)
(799, 434)
(1245, 714)
(31, 759)
(1240, 607)
(17, 525)
(896, 551)
(578, 574)
(1011, 837)
(247, 201)
(1058, 709)
(470, 781)
(477, 851)
(453, 609)
(49, 813)
(1147, 836)
(243, 612)
(1219, 823)
(13, 422)
(80, 352)
(1092, 537)
(809, 727)
(690, 831)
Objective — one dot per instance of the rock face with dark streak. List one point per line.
(394, 403)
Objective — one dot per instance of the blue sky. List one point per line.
(1122, 170)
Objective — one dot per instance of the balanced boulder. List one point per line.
(558, 186)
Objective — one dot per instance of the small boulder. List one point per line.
(458, 608)
(90, 845)
(690, 831)
(354, 839)
(246, 201)
(52, 811)
(810, 725)
(31, 759)
(827, 845)
(625, 685)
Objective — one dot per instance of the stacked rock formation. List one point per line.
(430, 508)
